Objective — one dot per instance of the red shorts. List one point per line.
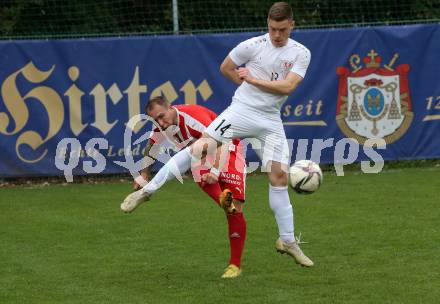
(232, 177)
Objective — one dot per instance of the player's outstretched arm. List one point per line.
(145, 173)
(282, 87)
(221, 159)
(229, 70)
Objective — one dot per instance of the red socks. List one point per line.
(237, 236)
(236, 225)
(213, 190)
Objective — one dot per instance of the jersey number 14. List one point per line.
(223, 129)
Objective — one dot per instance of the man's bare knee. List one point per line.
(278, 174)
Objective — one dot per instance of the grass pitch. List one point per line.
(373, 238)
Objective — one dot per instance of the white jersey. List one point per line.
(267, 62)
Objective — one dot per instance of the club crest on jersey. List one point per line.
(286, 66)
(373, 101)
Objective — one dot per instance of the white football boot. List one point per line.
(294, 251)
(133, 200)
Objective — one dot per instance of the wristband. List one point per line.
(215, 171)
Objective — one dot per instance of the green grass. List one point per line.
(373, 238)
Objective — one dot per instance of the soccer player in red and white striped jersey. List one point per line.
(187, 123)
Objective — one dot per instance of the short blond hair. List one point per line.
(158, 100)
(280, 11)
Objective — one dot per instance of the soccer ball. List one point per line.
(305, 176)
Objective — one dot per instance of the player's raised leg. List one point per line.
(177, 165)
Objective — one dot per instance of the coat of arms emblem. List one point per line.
(374, 101)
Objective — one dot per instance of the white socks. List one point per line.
(280, 204)
(177, 165)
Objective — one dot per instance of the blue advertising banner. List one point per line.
(362, 83)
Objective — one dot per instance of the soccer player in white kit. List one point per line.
(274, 65)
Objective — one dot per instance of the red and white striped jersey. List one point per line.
(192, 120)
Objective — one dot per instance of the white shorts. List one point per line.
(264, 131)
